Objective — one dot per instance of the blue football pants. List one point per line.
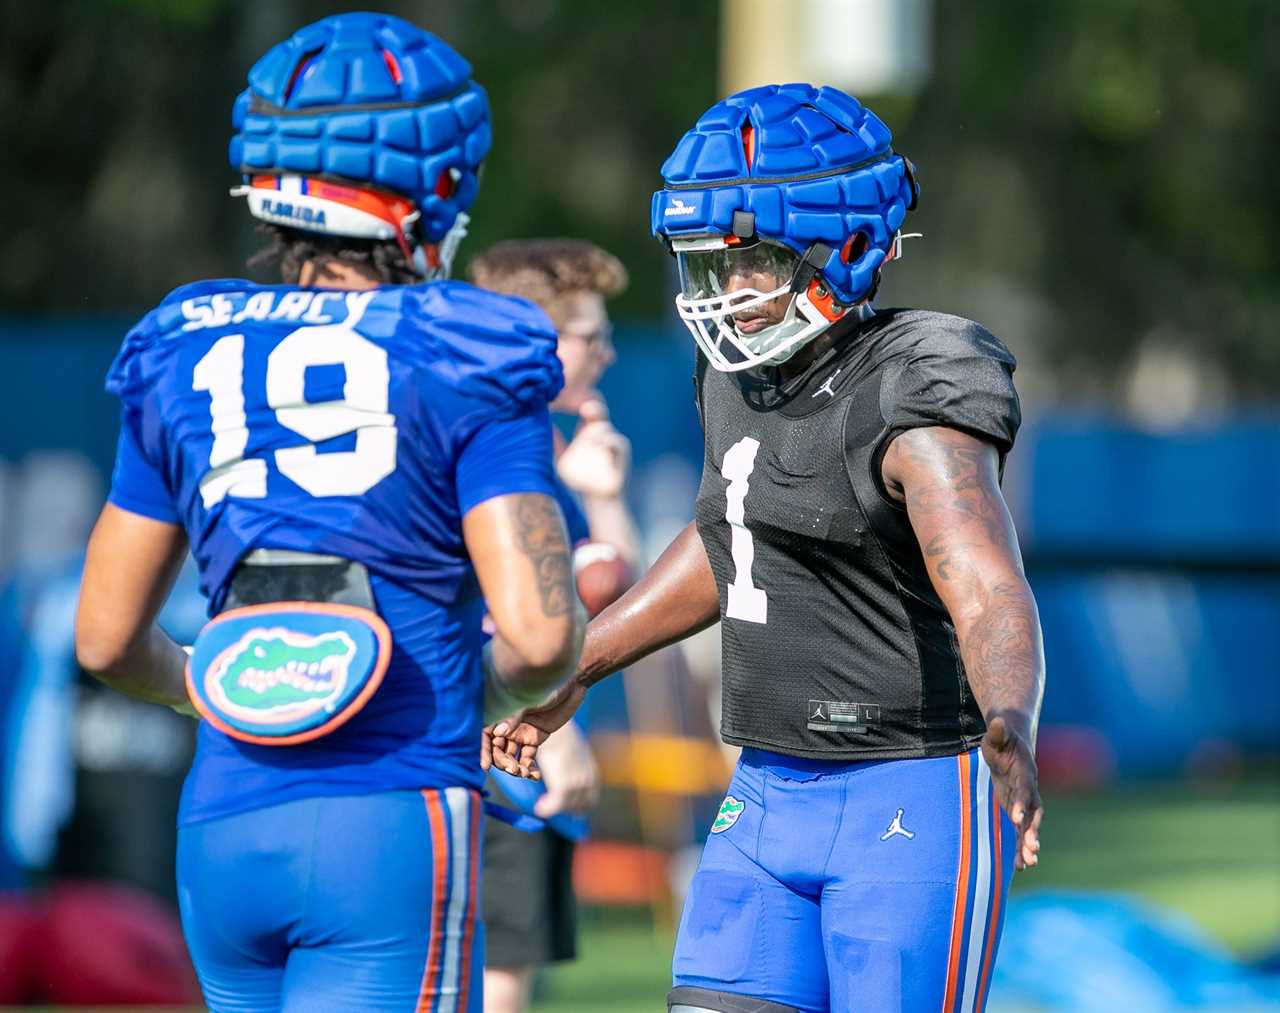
(363, 902)
(877, 887)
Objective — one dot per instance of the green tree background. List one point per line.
(1098, 174)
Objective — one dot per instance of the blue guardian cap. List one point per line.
(781, 196)
(364, 125)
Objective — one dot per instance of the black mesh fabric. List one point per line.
(857, 657)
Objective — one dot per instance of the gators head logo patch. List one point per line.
(730, 810)
(287, 672)
(276, 676)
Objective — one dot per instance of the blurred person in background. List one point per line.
(361, 465)
(529, 908)
(883, 668)
(570, 279)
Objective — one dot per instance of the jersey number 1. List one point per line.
(362, 410)
(746, 601)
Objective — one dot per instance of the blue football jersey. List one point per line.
(359, 424)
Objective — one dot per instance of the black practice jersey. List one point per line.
(835, 644)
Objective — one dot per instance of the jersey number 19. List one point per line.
(362, 410)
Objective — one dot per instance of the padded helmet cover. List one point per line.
(373, 100)
(811, 164)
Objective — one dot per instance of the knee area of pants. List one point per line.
(689, 999)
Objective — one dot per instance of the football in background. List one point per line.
(602, 575)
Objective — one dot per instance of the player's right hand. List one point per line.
(1013, 769)
(512, 744)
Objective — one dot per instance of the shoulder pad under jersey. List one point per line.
(955, 373)
(125, 374)
(496, 348)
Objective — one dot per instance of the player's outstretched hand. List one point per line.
(512, 745)
(596, 461)
(505, 760)
(1013, 767)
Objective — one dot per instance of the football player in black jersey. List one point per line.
(883, 667)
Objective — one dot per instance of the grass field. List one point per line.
(1212, 853)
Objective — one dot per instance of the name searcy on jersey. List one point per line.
(308, 307)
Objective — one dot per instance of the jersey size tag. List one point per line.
(841, 716)
(288, 672)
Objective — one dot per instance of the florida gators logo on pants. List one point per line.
(877, 886)
(361, 902)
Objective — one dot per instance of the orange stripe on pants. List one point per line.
(439, 894)
(962, 888)
(993, 925)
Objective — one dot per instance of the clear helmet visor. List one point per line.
(737, 300)
(763, 267)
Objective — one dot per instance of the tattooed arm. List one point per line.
(949, 483)
(520, 551)
(675, 599)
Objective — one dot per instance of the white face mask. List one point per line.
(445, 252)
(731, 301)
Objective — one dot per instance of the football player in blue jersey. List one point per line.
(361, 466)
(882, 655)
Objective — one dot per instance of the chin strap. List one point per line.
(895, 253)
(449, 245)
(813, 261)
(434, 261)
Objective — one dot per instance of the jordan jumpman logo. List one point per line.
(826, 387)
(896, 827)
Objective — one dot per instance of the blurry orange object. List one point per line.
(663, 764)
(611, 872)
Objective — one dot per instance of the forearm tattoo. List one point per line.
(1001, 650)
(545, 545)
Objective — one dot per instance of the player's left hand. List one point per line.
(507, 761)
(597, 459)
(512, 745)
(1013, 768)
